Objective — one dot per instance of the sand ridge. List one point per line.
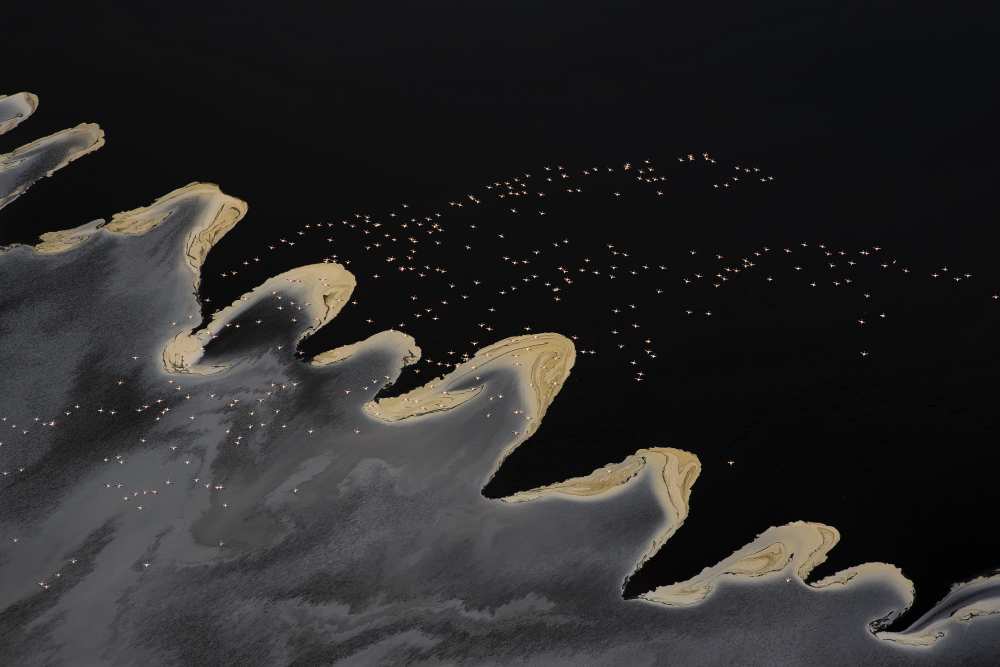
(316, 292)
(41, 158)
(543, 362)
(15, 109)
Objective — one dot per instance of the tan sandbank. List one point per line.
(676, 472)
(791, 550)
(964, 603)
(318, 292)
(15, 109)
(52, 243)
(543, 361)
(65, 146)
(220, 213)
(673, 474)
(403, 343)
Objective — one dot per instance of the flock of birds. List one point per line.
(542, 252)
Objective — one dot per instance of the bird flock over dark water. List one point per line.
(457, 276)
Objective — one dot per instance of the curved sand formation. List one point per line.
(792, 550)
(404, 343)
(20, 169)
(317, 291)
(221, 212)
(64, 240)
(543, 361)
(673, 474)
(15, 109)
(963, 604)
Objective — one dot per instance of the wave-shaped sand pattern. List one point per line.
(15, 109)
(317, 293)
(257, 508)
(545, 360)
(28, 164)
(404, 344)
(792, 550)
(965, 603)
